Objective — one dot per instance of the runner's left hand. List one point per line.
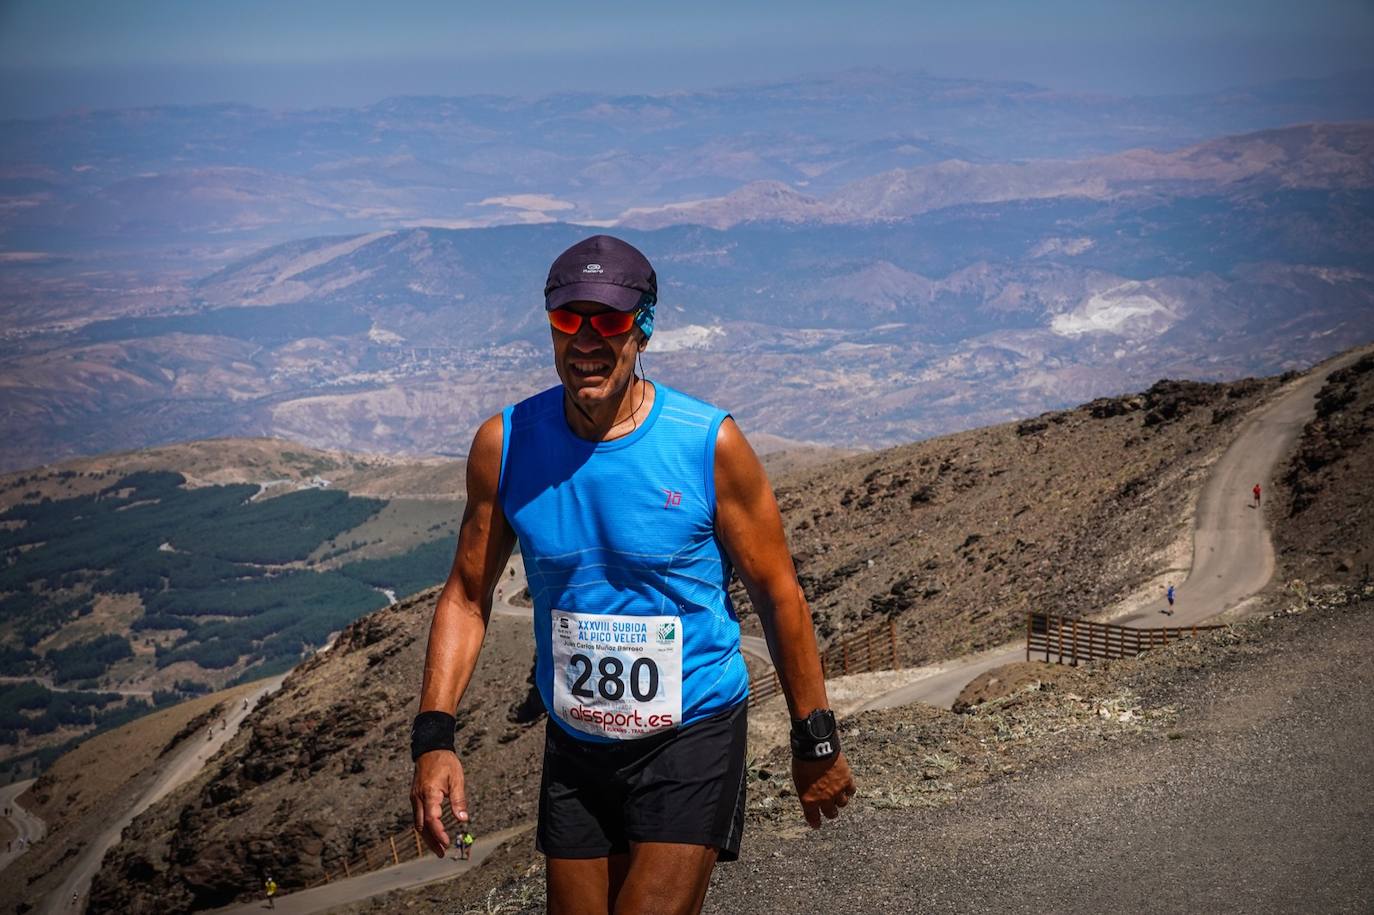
(823, 787)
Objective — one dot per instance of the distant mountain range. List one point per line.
(857, 260)
(223, 172)
(1316, 157)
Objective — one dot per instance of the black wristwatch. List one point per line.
(816, 737)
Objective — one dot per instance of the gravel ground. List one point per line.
(1253, 796)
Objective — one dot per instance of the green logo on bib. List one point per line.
(667, 632)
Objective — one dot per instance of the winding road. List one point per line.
(26, 826)
(409, 875)
(185, 763)
(1233, 557)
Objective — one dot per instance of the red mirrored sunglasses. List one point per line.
(607, 323)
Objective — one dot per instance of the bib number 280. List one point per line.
(617, 675)
(612, 680)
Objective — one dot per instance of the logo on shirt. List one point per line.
(667, 632)
(592, 268)
(673, 497)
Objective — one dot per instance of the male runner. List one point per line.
(632, 502)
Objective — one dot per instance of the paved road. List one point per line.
(1261, 805)
(26, 825)
(410, 874)
(189, 760)
(48, 684)
(1233, 557)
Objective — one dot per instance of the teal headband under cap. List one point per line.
(644, 319)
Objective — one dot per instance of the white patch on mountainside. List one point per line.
(385, 337)
(532, 203)
(692, 336)
(1068, 246)
(1128, 310)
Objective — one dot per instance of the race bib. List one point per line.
(617, 676)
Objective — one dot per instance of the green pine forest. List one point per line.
(224, 581)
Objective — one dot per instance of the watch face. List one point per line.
(821, 724)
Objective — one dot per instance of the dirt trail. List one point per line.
(189, 760)
(1233, 557)
(26, 826)
(428, 869)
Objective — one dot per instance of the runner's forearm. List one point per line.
(791, 641)
(485, 542)
(455, 640)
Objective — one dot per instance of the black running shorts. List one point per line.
(682, 786)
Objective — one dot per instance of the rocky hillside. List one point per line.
(324, 770)
(75, 797)
(1322, 520)
(951, 538)
(954, 539)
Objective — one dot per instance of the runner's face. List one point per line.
(595, 369)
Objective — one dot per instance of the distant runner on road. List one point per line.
(1170, 596)
(269, 886)
(1256, 491)
(631, 503)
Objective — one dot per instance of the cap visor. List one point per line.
(621, 298)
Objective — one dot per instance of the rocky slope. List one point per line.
(322, 770)
(1322, 518)
(76, 794)
(954, 539)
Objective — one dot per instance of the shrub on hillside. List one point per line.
(422, 567)
(86, 660)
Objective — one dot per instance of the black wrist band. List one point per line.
(431, 731)
(816, 737)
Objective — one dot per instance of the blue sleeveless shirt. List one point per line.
(620, 550)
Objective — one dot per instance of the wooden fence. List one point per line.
(1071, 640)
(874, 648)
(402, 846)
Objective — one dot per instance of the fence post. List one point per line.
(1074, 645)
(1061, 640)
(1047, 638)
(892, 641)
(347, 872)
(845, 646)
(395, 856)
(1030, 617)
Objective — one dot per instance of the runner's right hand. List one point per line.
(438, 775)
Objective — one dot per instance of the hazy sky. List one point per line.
(63, 54)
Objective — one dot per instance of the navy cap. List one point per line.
(601, 269)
